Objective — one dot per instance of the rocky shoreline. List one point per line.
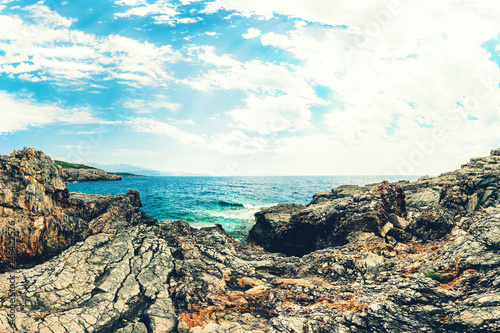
(87, 175)
(421, 256)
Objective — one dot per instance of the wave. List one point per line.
(246, 213)
(199, 225)
(229, 204)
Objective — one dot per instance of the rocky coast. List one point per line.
(87, 175)
(389, 257)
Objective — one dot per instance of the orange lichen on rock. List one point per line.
(413, 269)
(248, 282)
(453, 272)
(345, 305)
(310, 283)
(235, 300)
(456, 280)
(192, 319)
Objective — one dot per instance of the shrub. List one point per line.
(434, 276)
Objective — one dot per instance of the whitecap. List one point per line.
(246, 213)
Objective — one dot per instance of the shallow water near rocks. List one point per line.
(229, 201)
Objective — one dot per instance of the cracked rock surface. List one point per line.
(130, 273)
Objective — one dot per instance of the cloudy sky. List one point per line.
(261, 87)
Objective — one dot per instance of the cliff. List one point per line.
(403, 257)
(36, 206)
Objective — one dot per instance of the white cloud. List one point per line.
(206, 54)
(187, 2)
(142, 106)
(188, 20)
(161, 11)
(146, 125)
(138, 152)
(43, 15)
(51, 51)
(237, 143)
(130, 2)
(269, 114)
(251, 76)
(234, 142)
(181, 121)
(211, 33)
(77, 146)
(93, 132)
(20, 113)
(278, 99)
(251, 33)
(329, 12)
(3, 3)
(397, 73)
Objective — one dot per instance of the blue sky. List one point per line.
(262, 87)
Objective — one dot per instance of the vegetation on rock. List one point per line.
(66, 165)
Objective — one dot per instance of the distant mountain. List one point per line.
(127, 168)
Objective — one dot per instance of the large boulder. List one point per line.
(269, 221)
(327, 223)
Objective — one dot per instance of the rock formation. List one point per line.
(36, 206)
(329, 220)
(426, 209)
(404, 257)
(87, 175)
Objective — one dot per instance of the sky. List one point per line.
(261, 87)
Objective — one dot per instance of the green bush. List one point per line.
(434, 276)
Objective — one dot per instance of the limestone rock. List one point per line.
(97, 286)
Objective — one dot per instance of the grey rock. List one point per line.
(473, 203)
(398, 221)
(133, 328)
(96, 285)
(269, 221)
(373, 264)
(422, 198)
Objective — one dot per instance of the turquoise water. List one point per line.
(230, 201)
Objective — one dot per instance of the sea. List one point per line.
(229, 201)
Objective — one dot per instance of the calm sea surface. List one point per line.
(230, 201)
